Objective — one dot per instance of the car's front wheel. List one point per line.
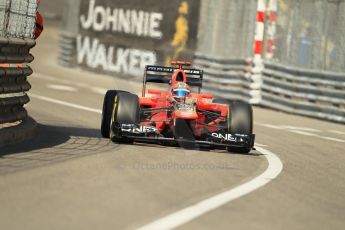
(108, 103)
(240, 120)
(126, 110)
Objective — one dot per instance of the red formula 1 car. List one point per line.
(176, 115)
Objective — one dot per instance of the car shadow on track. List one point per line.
(52, 144)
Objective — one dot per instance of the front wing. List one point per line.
(213, 140)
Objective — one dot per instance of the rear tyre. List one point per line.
(108, 103)
(126, 110)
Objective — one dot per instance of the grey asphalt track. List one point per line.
(68, 177)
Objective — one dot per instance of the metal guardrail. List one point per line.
(67, 50)
(67, 37)
(233, 78)
(318, 94)
(306, 92)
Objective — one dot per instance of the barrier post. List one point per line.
(256, 72)
(271, 29)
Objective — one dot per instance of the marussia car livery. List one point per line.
(177, 115)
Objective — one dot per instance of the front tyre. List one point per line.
(108, 104)
(241, 122)
(126, 110)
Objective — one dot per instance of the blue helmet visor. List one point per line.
(181, 93)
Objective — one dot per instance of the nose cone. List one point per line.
(186, 114)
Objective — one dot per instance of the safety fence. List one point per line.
(305, 72)
(286, 55)
(297, 64)
(310, 34)
(232, 78)
(225, 49)
(17, 24)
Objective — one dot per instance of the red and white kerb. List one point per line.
(271, 29)
(260, 28)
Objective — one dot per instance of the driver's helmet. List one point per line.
(181, 89)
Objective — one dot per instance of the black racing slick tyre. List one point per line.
(126, 110)
(240, 120)
(107, 110)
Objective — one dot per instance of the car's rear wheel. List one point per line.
(240, 120)
(126, 110)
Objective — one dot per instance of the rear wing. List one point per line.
(163, 74)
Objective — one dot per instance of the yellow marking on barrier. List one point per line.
(113, 116)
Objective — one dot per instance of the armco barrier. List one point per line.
(306, 92)
(70, 24)
(67, 49)
(232, 78)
